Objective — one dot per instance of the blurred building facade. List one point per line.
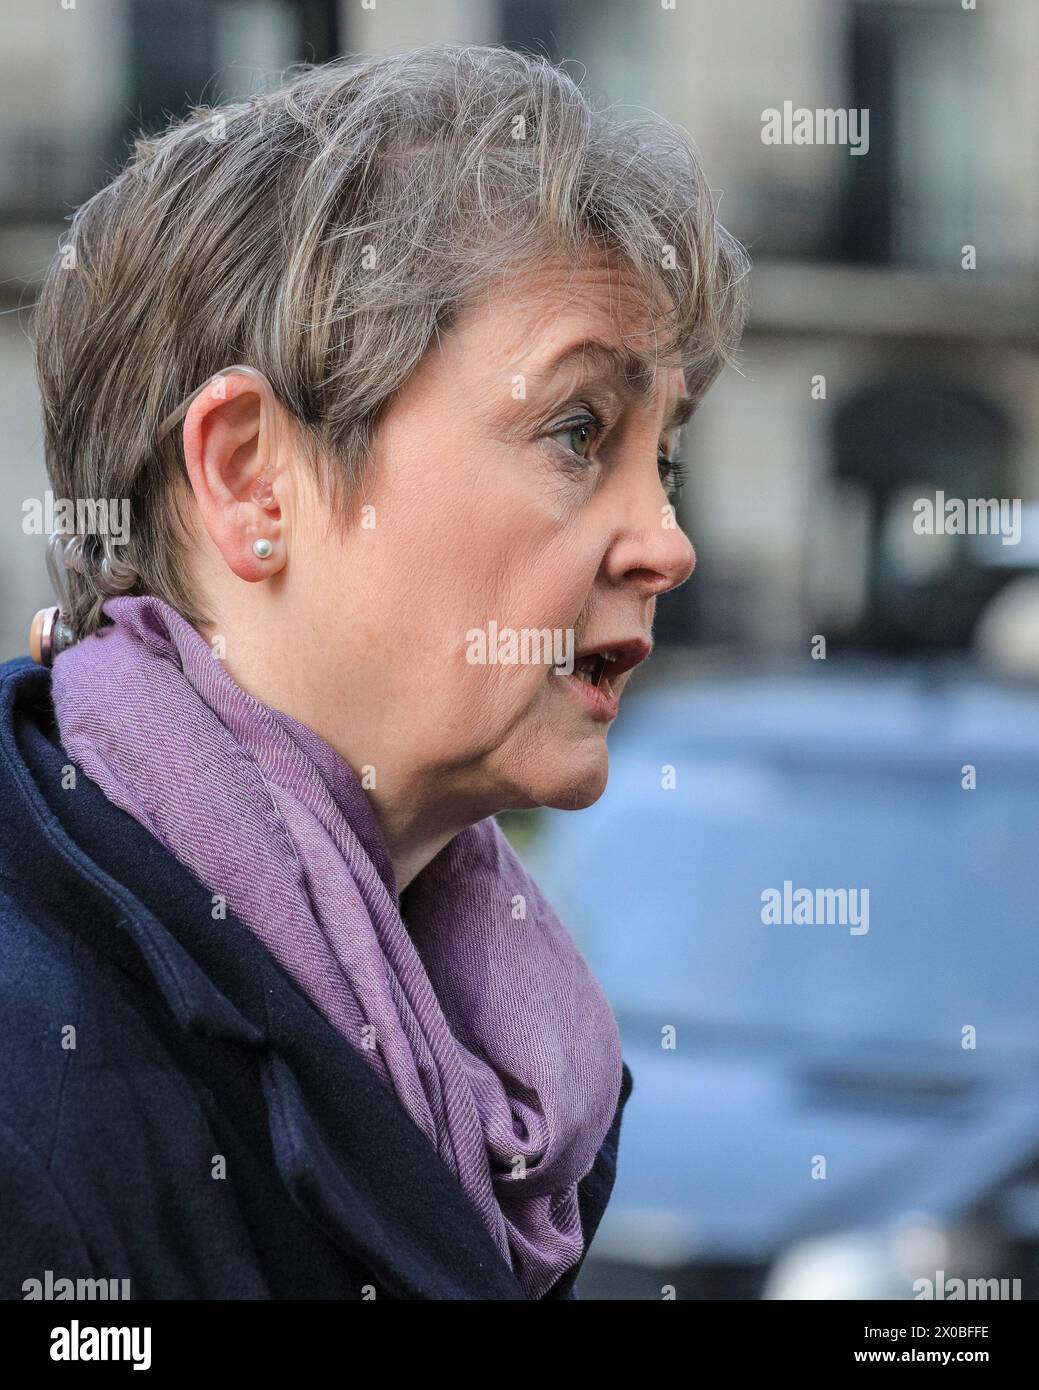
(876, 368)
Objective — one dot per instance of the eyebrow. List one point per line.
(594, 356)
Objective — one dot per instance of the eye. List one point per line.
(579, 435)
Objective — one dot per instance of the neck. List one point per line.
(408, 862)
(416, 824)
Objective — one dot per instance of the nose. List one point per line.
(654, 556)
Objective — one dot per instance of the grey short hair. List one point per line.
(325, 233)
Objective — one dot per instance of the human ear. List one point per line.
(231, 439)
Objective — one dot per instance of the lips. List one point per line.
(597, 671)
(609, 660)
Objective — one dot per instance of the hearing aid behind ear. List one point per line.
(268, 407)
(51, 631)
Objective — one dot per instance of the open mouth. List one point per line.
(597, 671)
(592, 669)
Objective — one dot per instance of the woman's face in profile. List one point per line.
(497, 502)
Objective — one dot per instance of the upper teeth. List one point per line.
(583, 666)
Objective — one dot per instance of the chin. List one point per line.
(576, 780)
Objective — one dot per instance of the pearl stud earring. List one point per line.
(262, 548)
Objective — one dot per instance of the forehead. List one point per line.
(592, 318)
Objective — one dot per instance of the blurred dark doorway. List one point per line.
(894, 443)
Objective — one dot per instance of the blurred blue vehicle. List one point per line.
(796, 1045)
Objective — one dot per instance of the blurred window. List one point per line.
(605, 37)
(189, 51)
(918, 196)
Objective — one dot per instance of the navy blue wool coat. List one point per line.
(173, 1109)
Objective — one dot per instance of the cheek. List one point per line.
(461, 539)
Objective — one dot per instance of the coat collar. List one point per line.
(345, 1149)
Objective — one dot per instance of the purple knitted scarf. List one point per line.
(480, 1014)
